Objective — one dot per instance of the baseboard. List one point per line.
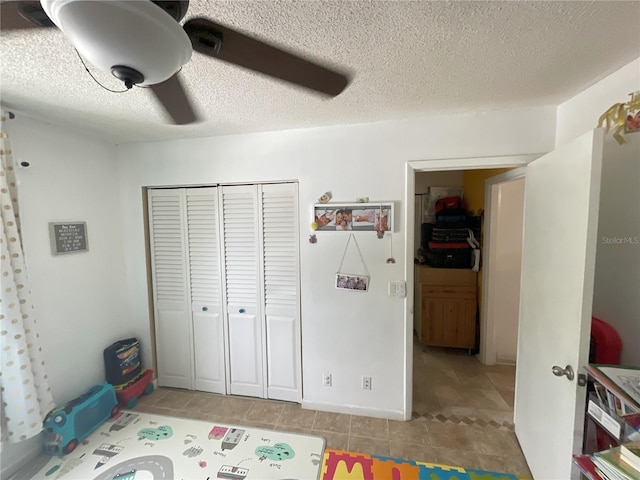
(354, 410)
(16, 456)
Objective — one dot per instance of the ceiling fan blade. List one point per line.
(225, 44)
(17, 15)
(174, 99)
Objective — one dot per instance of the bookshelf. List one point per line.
(612, 416)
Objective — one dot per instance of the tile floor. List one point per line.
(462, 416)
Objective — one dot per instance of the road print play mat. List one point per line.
(144, 446)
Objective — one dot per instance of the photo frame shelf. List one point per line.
(354, 217)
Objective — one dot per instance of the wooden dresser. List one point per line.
(445, 306)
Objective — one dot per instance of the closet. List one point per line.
(225, 276)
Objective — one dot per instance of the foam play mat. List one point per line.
(340, 465)
(144, 446)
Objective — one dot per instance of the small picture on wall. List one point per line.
(371, 219)
(358, 283)
(632, 124)
(344, 219)
(325, 218)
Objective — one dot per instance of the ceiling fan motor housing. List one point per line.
(138, 35)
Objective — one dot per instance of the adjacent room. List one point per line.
(316, 235)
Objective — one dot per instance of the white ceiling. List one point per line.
(407, 59)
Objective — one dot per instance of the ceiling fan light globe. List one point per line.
(134, 33)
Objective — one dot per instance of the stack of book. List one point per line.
(618, 463)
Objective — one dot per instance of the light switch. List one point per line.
(392, 290)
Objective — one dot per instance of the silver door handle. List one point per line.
(559, 371)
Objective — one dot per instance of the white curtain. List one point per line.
(24, 389)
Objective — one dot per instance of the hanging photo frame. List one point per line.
(348, 281)
(357, 283)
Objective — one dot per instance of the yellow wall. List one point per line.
(473, 184)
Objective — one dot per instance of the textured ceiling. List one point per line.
(407, 59)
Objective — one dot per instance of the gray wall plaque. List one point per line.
(68, 237)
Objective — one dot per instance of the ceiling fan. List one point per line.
(141, 42)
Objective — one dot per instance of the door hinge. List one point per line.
(582, 379)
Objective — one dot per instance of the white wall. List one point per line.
(582, 112)
(346, 334)
(78, 297)
(617, 276)
(505, 257)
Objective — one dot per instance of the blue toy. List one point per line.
(66, 426)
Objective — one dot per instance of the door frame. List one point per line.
(487, 353)
(411, 168)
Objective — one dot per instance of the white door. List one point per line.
(562, 193)
(279, 220)
(170, 287)
(242, 282)
(206, 292)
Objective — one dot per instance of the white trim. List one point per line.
(487, 354)
(354, 410)
(296, 197)
(438, 164)
(409, 220)
(472, 163)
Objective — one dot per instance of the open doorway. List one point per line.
(449, 383)
(558, 291)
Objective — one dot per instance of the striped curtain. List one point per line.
(24, 389)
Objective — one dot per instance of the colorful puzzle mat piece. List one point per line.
(341, 465)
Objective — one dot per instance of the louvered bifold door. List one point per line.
(281, 290)
(206, 293)
(167, 232)
(242, 278)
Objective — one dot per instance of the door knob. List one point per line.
(204, 309)
(559, 371)
(241, 310)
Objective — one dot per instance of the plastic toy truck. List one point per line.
(66, 426)
(128, 393)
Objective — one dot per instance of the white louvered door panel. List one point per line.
(279, 212)
(170, 287)
(242, 276)
(206, 294)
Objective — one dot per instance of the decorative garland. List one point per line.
(622, 116)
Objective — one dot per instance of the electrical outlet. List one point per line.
(326, 379)
(366, 383)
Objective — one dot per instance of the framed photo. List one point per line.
(632, 122)
(356, 283)
(68, 237)
(350, 217)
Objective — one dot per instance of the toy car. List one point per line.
(66, 426)
(128, 393)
